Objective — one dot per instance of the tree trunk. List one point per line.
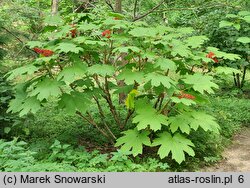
(243, 76)
(238, 80)
(54, 7)
(235, 82)
(118, 6)
(122, 96)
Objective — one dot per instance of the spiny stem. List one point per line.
(91, 121)
(103, 117)
(110, 103)
(165, 106)
(129, 114)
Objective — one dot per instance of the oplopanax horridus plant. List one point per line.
(157, 69)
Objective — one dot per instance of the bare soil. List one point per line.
(236, 158)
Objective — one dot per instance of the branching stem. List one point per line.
(103, 117)
(149, 12)
(91, 121)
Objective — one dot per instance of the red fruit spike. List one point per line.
(73, 33)
(43, 52)
(215, 60)
(37, 50)
(106, 33)
(186, 95)
(47, 53)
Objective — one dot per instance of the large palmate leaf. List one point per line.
(205, 121)
(64, 31)
(200, 82)
(148, 116)
(196, 41)
(180, 121)
(27, 69)
(185, 30)
(157, 79)
(193, 120)
(68, 47)
(23, 105)
(123, 89)
(72, 73)
(115, 24)
(103, 70)
(15, 104)
(130, 77)
(75, 101)
(30, 105)
(178, 48)
(176, 144)
(88, 27)
(46, 88)
(80, 39)
(143, 32)
(165, 64)
(133, 141)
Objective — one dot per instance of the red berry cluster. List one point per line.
(73, 31)
(212, 56)
(185, 95)
(106, 33)
(43, 52)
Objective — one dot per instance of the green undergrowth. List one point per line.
(6, 94)
(16, 156)
(53, 141)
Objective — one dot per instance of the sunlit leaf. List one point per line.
(133, 140)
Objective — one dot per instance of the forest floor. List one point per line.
(236, 158)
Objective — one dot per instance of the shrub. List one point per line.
(150, 68)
